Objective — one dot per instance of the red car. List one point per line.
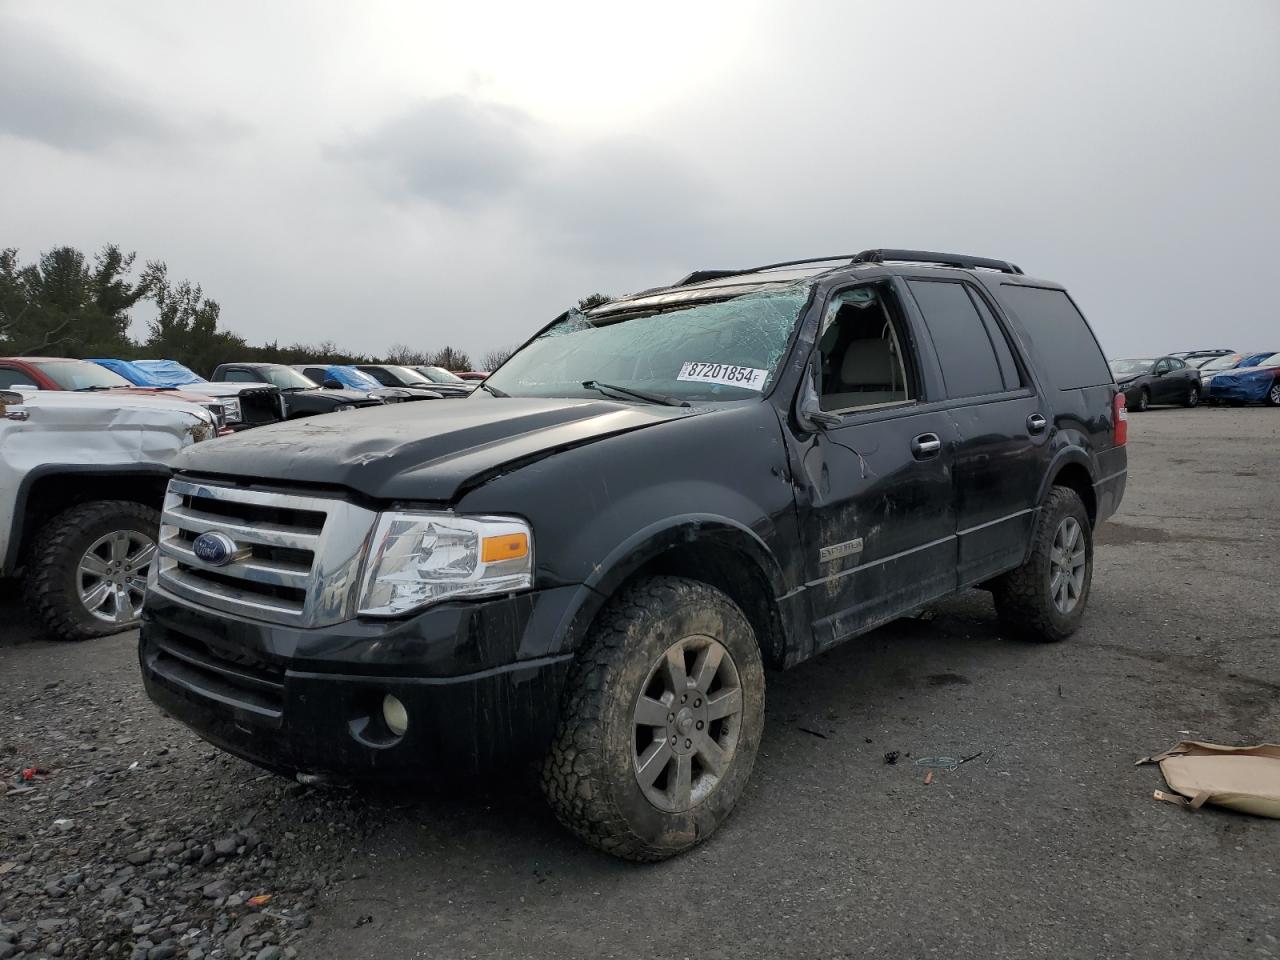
(62, 373)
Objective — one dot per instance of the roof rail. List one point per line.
(963, 261)
(699, 275)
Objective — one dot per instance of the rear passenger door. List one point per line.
(1001, 450)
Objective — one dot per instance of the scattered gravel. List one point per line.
(135, 840)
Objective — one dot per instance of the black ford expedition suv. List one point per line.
(592, 559)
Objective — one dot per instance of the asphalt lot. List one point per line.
(1047, 844)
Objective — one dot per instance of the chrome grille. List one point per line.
(297, 559)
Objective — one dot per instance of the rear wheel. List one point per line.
(1144, 401)
(661, 721)
(1192, 398)
(87, 573)
(1045, 598)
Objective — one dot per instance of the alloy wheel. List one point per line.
(686, 723)
(1067, 561)
(112, 575)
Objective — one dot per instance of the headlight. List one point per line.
(421, 558)
(232, 408)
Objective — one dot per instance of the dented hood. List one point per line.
(421, 451)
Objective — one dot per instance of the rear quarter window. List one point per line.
(1068, 352)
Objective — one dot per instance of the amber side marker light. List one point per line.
(510, 546)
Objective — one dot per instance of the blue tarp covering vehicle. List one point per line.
(152, 373)
(1256, 384)
(351, 378)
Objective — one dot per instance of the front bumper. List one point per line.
(310, 701)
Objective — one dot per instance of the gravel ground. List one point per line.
(141, 841)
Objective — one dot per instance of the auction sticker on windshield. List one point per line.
(749, 378)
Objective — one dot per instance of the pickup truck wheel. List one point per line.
(1045, 598)
(661, 721)
(88, 570)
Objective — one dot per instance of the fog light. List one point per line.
(395, 715)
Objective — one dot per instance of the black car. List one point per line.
(406, 378)
(1150, 380)
(594, 559)
(303, 397)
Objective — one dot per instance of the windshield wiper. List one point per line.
(493, 390)
(96, 386)
(637, 394)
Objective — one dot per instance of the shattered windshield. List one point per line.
(723, 350)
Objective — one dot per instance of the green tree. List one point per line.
(66, 305)
(594, 300)
(186, 324)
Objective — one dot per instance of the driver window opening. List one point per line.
(862, 359)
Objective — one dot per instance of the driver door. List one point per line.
(874, 486)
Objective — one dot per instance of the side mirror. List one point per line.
(8, 401)
(330, 383)
(808, 408)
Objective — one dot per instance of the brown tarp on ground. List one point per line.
(1246, 779)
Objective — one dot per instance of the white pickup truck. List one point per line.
(81, 479)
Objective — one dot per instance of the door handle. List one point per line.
(926, 446)
(1036, 423)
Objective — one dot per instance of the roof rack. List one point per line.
(963, 261)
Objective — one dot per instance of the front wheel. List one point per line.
(1045, 598)
(88, 571)
(1144, 401)
(1192, 398)
(1273, 395)
(661, 721)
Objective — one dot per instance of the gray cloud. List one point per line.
(453, 151)
(609, 198)
(1107, 146)
(49, 95)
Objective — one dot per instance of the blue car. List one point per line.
(1257, 383)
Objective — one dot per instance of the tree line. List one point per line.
(68, 305)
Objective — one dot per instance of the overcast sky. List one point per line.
(449, 173)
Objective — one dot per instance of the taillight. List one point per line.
(1120, 414)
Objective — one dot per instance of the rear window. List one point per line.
(1061, 338)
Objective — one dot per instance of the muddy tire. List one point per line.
(87, 568)
(661, 721)
(1045, 598)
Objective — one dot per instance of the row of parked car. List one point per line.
(84, 453)
(1190, 377)
(240, 395)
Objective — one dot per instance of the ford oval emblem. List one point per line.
(215, 549)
